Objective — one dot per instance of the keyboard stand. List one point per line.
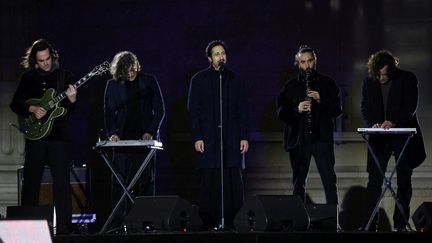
(126, 189)
(387, 181)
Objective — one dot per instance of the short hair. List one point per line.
(380, 59)
(29, 60)
(213, 44)
(303, 49)
(121, 62)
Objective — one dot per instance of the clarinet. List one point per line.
(309, 113)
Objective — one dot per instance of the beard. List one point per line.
(307, 74)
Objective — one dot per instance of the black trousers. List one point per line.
(127, 164)
(210, 196)
(325, 160)
(56, 155)
(383, 149)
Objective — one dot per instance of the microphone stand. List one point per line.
(222, 219)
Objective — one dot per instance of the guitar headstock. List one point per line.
(101, 68)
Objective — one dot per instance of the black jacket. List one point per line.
(33, 84)
(401, 110)
(323, 113)
(203, 106)
(151, 105)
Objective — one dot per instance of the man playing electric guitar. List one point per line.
(43, 73)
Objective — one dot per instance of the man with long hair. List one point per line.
(44, 72)
(389, 100)
(134, 110)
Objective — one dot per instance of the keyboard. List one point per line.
(129, 143)
(387, 131)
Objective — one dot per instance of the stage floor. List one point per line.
(249, 237)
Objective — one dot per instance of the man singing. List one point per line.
(204, 108)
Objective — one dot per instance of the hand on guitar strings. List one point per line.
(38, 111)
(71, 93)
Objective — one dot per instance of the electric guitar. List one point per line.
(35, 129)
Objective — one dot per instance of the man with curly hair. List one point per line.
(134, 110)
(389, 100)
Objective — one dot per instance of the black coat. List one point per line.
(151, 105)
(33, 84)
(203, 106)
(323, 113)
(401, 110)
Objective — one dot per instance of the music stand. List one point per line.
(387, 181)
(102, 146)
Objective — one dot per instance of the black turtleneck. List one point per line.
(133, 127)
(385, 90)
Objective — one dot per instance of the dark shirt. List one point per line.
(323, 113)
(145, 100)
(203, 105)
(400, 109)
(133, 128)
(385, 90)
(33, 84)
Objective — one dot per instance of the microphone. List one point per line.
(221, 65)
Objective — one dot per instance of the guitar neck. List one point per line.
(96, 71)
(77, 84)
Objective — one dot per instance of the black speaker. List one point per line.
(31, 213)
(272, 213)
(78, 182)
(323, 217)
(165, 213)
(422, 217)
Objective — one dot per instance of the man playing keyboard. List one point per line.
(134, 110)
(389, 100)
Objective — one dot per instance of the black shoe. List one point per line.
(118, 230)
(401, 230)
(372, 228)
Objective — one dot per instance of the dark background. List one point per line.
(169, 38)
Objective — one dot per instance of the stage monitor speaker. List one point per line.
(32, 213)
(164, 213)
(272, 213)
(422, 217)
(323, 217)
